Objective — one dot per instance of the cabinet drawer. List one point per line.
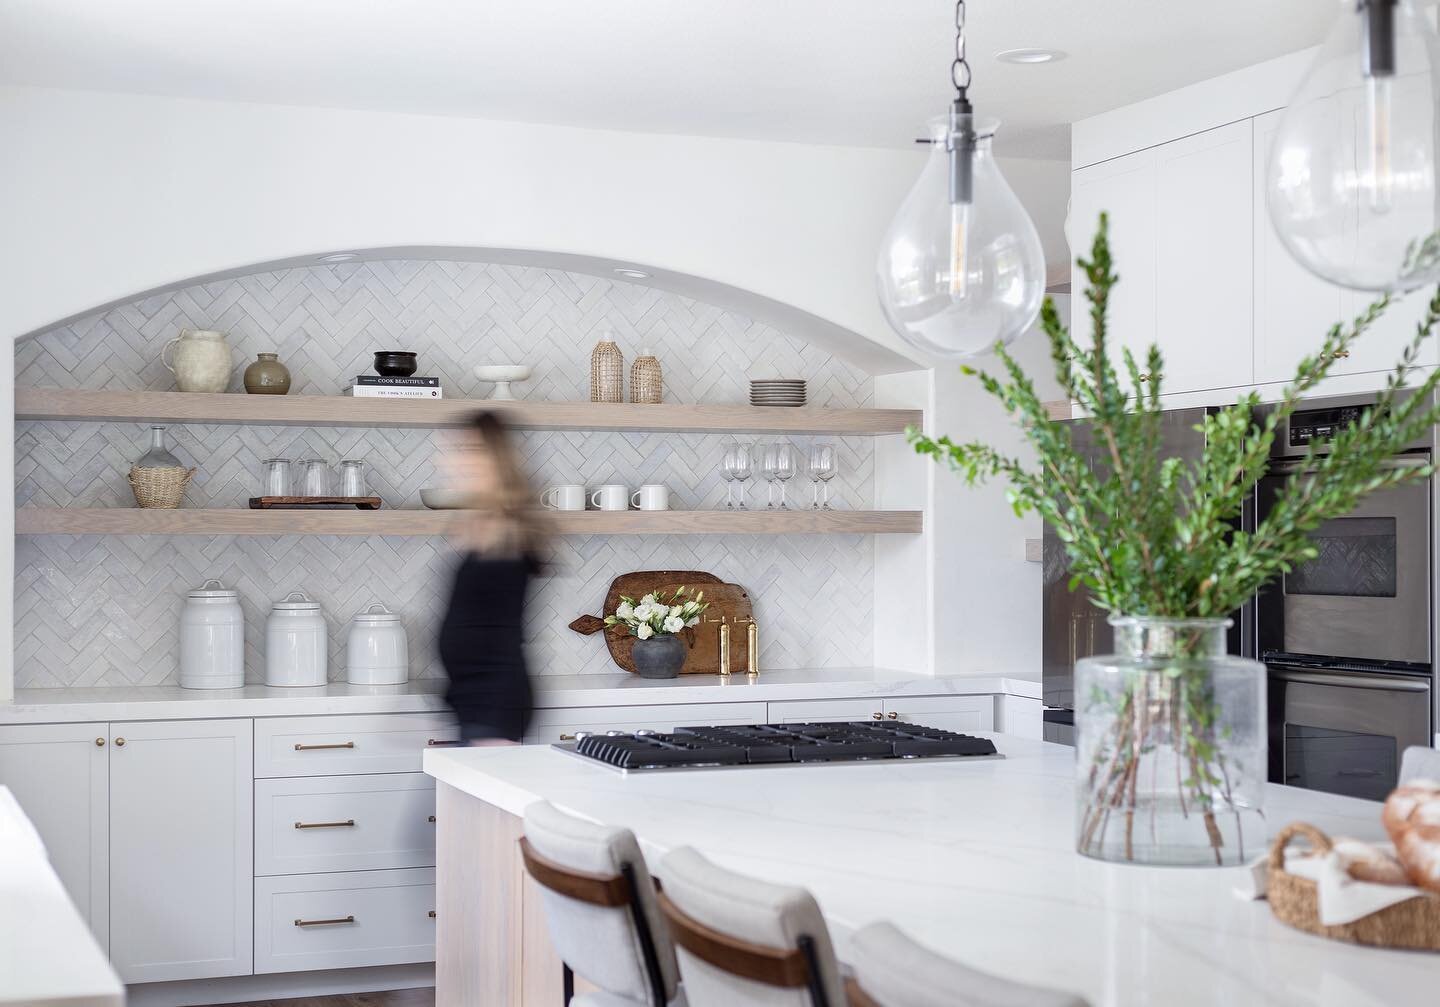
(344, 823)
(550, 726)
(333, 921)
(335, 746)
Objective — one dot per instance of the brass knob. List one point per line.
(877, 716)
(567, 737)
(119, 742)
(99, 742)
(1342, 354)
(1144, 377)
(892, 716)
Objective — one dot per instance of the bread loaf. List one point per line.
(1364, 862)
(1412, 818)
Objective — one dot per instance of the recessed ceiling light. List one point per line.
(339, 257)
(1029, 55)
(631, 274)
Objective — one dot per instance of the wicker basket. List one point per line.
(607, 372)
(1414, 924)
(646, 383)
(160, 488)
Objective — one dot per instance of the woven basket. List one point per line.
(607, 373)
(646, 383)
(1414, 924)
(161, 488)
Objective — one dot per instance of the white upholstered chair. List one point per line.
(601, 909)
(1419, 763)
(891, 970)
(742, 942)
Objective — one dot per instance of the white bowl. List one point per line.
(502, 375)
(445, 498)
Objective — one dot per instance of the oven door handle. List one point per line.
(1346, 680)
(1399, 462)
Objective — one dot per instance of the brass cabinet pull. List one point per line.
(312, 748)
(430, 819)
(348, 823)
(99, 742)
(892, 716)
(1144, 377)
(877, 715)
(567, 737)
(432, 914)
(324, 923)
(441, 742)
(119, 742)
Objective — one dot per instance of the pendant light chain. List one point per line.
(960, 68)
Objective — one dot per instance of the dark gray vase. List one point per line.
(659, 657)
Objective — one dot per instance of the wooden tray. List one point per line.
(268, 503)
(728, 602)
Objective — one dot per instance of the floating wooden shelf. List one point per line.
(199, 521)
(343, 410)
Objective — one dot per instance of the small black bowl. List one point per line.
(394, 363)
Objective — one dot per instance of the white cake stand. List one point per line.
(502, 375)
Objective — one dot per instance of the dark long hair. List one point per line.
(513, 499)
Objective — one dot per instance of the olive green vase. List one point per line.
(267, 375)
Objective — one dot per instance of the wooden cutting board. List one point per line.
(729, 603)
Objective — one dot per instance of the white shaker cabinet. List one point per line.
(823, 711)
(961, 714)
(1204, 285)
(60, 775)
(1124, 188)
(181, 838)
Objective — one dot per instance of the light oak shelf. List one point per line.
(344, 410)
(200, 521)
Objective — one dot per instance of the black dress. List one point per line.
(482, 647)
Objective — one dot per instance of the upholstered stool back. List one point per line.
(1419, 763)
(742, 942)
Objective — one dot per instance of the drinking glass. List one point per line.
(769, 460)
(822, 470)
(315, 477)
(352, 478)
(784, 467)
(742, 463)
(727, 472)
(275, 477)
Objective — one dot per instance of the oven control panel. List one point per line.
(1321, 424)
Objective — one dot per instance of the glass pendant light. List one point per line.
(961, 268)
(1351, 178)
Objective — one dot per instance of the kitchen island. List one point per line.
(973, 858)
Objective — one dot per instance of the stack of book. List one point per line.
(373, 386)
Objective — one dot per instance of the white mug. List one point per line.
(651, 496)
(611, 496)
(566, 497)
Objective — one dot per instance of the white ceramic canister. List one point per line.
(297, 642)
(377, 651)
(212, 638)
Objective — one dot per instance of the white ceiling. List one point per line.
(862, 72)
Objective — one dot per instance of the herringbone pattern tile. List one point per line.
(104, 611)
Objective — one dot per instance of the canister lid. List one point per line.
(212, 589)
(376, 614)
(297, 601)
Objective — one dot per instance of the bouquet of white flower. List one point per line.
(656, 615)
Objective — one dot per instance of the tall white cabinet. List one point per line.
(149, 826)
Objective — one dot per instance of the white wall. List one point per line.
(105, 196)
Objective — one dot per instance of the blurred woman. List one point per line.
(482, 635)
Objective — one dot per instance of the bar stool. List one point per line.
(891, 970)
(601, 909)
(742, 942)
(1419, 763)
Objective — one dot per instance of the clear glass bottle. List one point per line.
(159, 456)
(1170, 747)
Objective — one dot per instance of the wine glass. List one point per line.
(768, 461)
(784, 467)
(740, 467)
(727, 472)
(822, 469)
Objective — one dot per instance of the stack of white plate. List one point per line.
(777, 392)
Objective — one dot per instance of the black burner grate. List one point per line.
(768, 744)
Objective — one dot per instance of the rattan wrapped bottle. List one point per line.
(607, 371)
(646, 382)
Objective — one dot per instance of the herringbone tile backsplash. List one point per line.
(99, 610)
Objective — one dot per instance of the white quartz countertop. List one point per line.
(975, 859)
(73, 705)
(47, 955)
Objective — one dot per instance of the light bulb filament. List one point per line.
(1379, 174)
(959, 249)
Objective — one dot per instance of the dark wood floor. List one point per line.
(394, 998)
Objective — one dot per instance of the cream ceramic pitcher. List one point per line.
(202, 360)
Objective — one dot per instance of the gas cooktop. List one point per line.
(775, 745)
